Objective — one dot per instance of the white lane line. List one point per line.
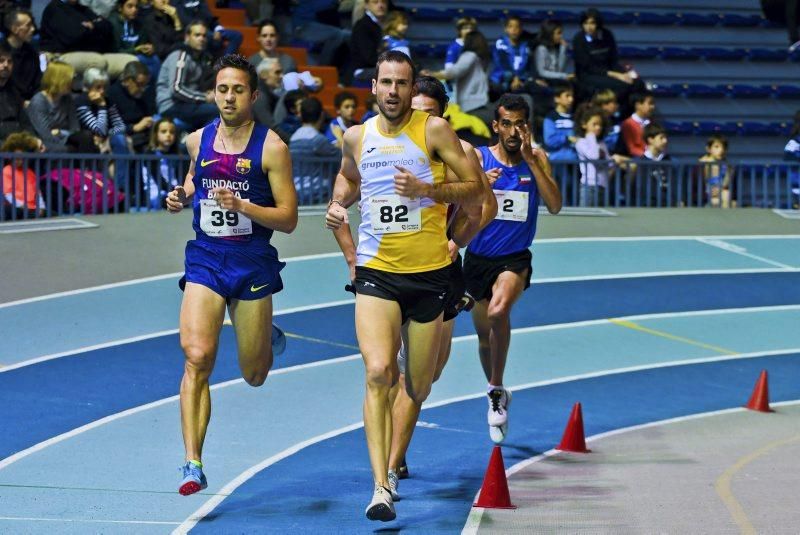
(333, 255)
(239, 480)
(736, 249)
(653, 274)
(87, 520)
(473, 522)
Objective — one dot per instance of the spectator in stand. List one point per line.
(346, 104)
(469, 74)
(606, 100)
(133, 96)
(27, 70)
(307, 28)
(464, 25)
(551, 54)
(53, 115)
(159, 177)
(632, 129)
(131, 36)
(104, 8)
(76, 35)
(659, 187)
(395, 28)
(185, 83)
(717, 173)
(20, 183)
(270, 93)
(371, 105)
(268, 39)
(164, 27)
(292, 101)
(590, 128)
(791, 153)
(307, 143)
(559, 138)
(790, 13)
(13, 117)
(596, 63)
(510, 57)
(222, 40)
(102, 118)
(366, 39)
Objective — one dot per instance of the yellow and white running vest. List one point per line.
(398, 234)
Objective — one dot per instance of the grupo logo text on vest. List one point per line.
(378, 164)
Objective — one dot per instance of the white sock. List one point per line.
(491, 387)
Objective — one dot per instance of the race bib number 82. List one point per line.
(392, 213)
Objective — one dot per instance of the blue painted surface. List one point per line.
(326, 486)
(110, 380)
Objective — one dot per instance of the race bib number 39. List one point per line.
(392, 213)
(512, 205)
(217, 222)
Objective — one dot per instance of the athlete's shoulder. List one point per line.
(466, 145)
(193, 142)
(353, 134)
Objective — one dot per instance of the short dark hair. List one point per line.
(5, 49)
(640, 96)
(652, 130)
(592, 13)
(291, 97)
(512, 18)
(560, 88)
(433, 88)
(395, 56)
(133, 69)
(512, 102)
(717, 138)
(237, 61)
(194, 22)
(268, 22)
(310, 110)
(343, 97)
(11, 17)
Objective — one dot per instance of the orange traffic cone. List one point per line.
(573, 439)
(494, 491)
(759, 400)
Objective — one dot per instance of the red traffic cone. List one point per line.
(759, 400)
(573, 439)
(494, 491)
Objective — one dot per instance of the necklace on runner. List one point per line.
(233, 129)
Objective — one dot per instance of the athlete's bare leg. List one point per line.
(492, 320)
(378, 331)
(405, 412)
(202, 314)
(252, 321)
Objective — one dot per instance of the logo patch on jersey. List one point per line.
(204, 163)
(422, 161)
(254, 288)
(370, 150)
(243, 166)
(524, 179)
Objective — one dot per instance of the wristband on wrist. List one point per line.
(335, 201)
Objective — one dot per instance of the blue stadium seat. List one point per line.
(704, 91)
(638, 52)
(786, 91)
(749, 91)
(675, 52)
(431, 13)
(656, 19)
(705, 128)
(528, 16)
(742, 21)
(429, 50)
(673, 90)
(682, 128)
(563, 15)
(615, 18)
(720, 54)
(751, 128)
(767, 54)
(699, 19)
(481, 14)
(780, 128)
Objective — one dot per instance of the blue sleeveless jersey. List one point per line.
(240, 173)
(502, 237)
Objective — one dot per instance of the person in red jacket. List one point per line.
(633, 127)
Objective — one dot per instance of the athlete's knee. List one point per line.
(379, 374)
(255, 377)
(499, 311)
(419, 394)
(199, 359)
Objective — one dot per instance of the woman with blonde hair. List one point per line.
(53, 113)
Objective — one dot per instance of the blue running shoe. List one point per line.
(194, 480)
(278, 340)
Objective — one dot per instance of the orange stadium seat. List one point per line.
(329, 75)
(299, 54)
(229, 17)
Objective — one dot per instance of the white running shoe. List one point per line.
(393, 484)
(381, 507)
(499, 400)
(498, 434)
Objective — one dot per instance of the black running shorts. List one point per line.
(480, 272)
(421, 296)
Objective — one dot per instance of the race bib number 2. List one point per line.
(218, 222)
(392, 213)
(512, 205)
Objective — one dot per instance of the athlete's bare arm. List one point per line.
(443, 142)
(489, 208)
(476, 214)
(278, 166)
(178, 197)
(540, 165)
(347, 182)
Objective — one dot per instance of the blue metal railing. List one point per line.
(47, 185)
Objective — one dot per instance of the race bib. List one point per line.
(511, 205)
(392, 213)
(218, 222)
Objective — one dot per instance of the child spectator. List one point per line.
(633, 127)
(717, 175)
(372, 108)
(658, 187)
(307, 146)
(161, 176)
(131, 37)
(590, 127)
(346, 104)
(606, 100)
(20, 184)
(464, 25)
(559, 140)
(292, 101)
(551, 54)
(510, 57)
(394, 29)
